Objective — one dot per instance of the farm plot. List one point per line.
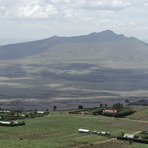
(60, 130)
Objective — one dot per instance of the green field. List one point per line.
(141, 114)
(60, 130)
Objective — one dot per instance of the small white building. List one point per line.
(8, 122)
(5, 122)
(40, 112)
(128, 136)
(83, 131)
(4, 111)
(22, 115)
(103, 133)
(15, 122)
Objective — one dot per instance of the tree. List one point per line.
(118, 106)
(127, 101)
(105, 105)
(80, 107)
(54, 108)
(101, 105)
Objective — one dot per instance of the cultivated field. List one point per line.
(60, 130)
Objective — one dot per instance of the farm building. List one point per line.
(40, 112)
(8, 123)
(5, 122)
(109, 111)
(94, 132)
(103, 133)
(83, 131)
(128, 136)
(4, 111)
(22, 115)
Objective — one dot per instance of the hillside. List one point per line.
(103, 46)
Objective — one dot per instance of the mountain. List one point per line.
(103, 46)
(68, 71)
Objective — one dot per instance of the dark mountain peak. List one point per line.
(108, 32)
(109, 35)
(54, 37)
(104, 33)
(103, 36)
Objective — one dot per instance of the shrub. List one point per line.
(133, 139)
(97, 111)
(124, 113)
(75, 112)
(144, 137)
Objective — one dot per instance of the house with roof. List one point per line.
(109, 111)
(128, 136)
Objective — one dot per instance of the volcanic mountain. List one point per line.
(102, 47)
(63, 70)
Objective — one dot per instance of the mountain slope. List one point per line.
(22, 50)
(102, 46)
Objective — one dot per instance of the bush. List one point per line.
(21, 123)
(117, 106)
(144, 132)
(75, 112)
(145, 141)
(97, 111)
(124, 113)
(144, 137)
(108, 114)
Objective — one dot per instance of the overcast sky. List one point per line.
(22, 20)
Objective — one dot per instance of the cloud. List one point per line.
(26, 9)
(49, 8)
(145, 4)
(44, 18)
(36, 11)
(2, 11)
(106, 5)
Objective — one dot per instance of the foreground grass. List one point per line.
(137, 146)
(60, 130)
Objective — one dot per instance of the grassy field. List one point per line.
(141, 114)
(60, 130)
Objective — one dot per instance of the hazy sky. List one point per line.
(22, 20)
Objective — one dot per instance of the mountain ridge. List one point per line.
(102, 46)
